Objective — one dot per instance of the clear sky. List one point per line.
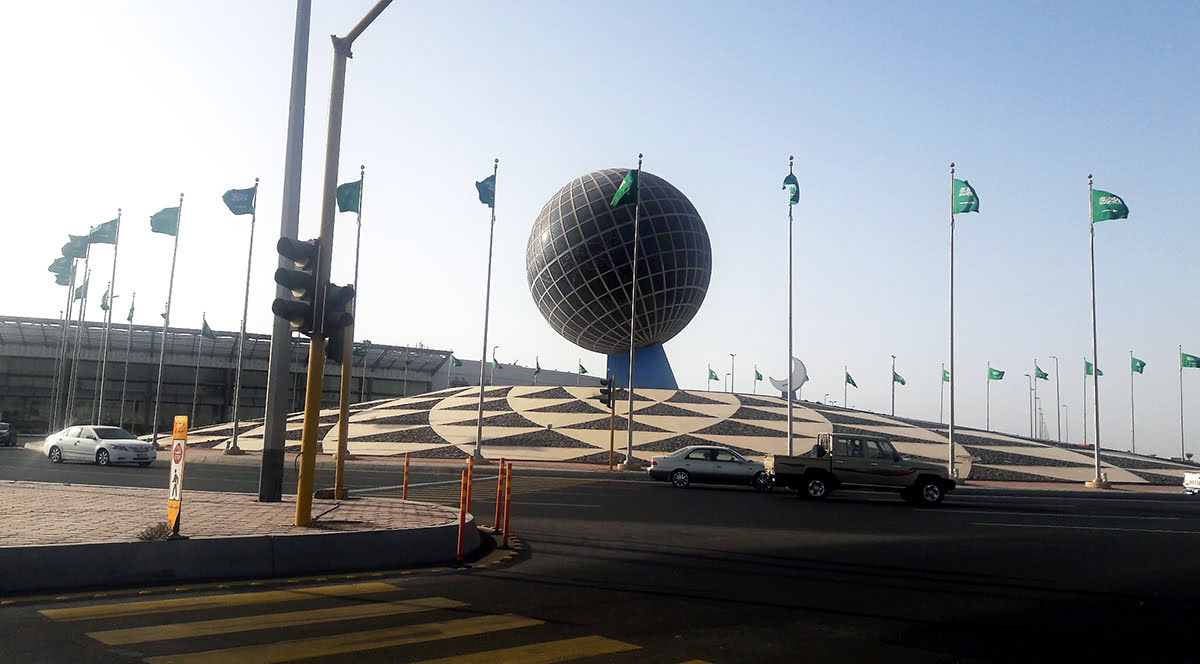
(127, 104)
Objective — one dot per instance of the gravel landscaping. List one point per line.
(994, 457)
(298, 434)
(575, 406)
(447, 452)
(622, 424)
(1155, 478)
(744, 413)
(763, 403)
(598, 457)
(493, 405)
(695, 399)
(667, 410)
(731, 428)
(419, 417)
(842, 418)
(417, 435)
(1137, 464)
(552, 393)
(984, 473)
(539, 438)
(416, 405)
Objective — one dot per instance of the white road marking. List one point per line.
(1051, 525)
(1053, 514)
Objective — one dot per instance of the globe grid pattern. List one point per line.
(580, 254)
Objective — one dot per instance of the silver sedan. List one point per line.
(709, 465)
(97, 444)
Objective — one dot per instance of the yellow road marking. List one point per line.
(337, 644)
(214, 601)
(548, 652)
(115, 637)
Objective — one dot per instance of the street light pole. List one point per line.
(1030, 397)
(1057, 399)
(731, 374)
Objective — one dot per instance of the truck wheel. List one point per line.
(929, 492)
(815, 487)
(762, 482)
(680, 479)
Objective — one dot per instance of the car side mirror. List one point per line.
(895, 456)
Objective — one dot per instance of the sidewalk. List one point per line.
(62, 536)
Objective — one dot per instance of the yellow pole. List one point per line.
(308, 443)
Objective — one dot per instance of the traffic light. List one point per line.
(337, 319)
(606, 391)
(301, 281)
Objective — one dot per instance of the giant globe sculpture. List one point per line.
(579, 266)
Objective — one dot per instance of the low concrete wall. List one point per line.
(81, 566)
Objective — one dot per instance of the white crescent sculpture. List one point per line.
(799, 377)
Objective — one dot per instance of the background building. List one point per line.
(29, 364)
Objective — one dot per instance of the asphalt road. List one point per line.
(636, 571)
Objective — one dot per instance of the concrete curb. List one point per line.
(49, 568)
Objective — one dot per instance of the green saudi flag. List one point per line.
(898, 378)
(63, 278)
(495, 364)
(129, 318)
(1088, 367)
(1038, 373)
(712, 375)
(104, 301)
(757, 376)
(105, 233)
(1138, 365)
(965, 199)
(850, 380)
(487, 190)
(81, 291)
(206, 331)
(76, 246)
(455, 362)
(359, 351)
(537, 366)
(165, 221)
(1189, 361)
(349, 196)
(60, 266)
(240, 201)
(995, 374)
(582, 370)
(945, 376)
(628, 191)
(793, 188)
(1107, 205)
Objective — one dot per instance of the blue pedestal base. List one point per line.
(651, 368)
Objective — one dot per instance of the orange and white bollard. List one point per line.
(507, 502)
(404, 496)
(462, 515)
(470, 479)
(499, 496)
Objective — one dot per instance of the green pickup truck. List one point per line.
(851, 460)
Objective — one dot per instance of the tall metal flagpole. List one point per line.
(74, 382)
(941, 392)
(343, 427)
(162, 353)
(1057, 400)
(950, 431)
(112, 284)
(1029, 396)
(893, 386)
(487, 304)
(98, 383)
(1132, 412)
(1036, 368)
(845, 386)
(232, 447)
(731, 374)
(987, 410)
(128, 349)
(630, 463)
(788, 364)
(196, 380)
(62, 352)
(1182, 445)
(1098, 482)
(1085, 418)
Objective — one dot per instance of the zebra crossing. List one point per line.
(363, 621)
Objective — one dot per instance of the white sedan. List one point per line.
(709, 465)
(101, 445)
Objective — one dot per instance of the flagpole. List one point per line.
(162, 354)
(1057, 400)
(487, 304)
(1097, 483)
(74, 382)
(1029, 397)
(1182, 445)
(941, 392)
(987, 410)
(950, 432)
(1036, 369)
(362, 380)
(196, 380)
(62, 353)
(788, 364)
(125, 375)
(708, 384)
(1085, 419)
(97, 394)
(633, 291)
(1132, 412)
(232, 447)
(112, 283)
(578, 363)
(893, 386)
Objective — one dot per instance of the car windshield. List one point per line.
(113, 433)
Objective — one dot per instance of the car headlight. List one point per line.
(123, 448)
